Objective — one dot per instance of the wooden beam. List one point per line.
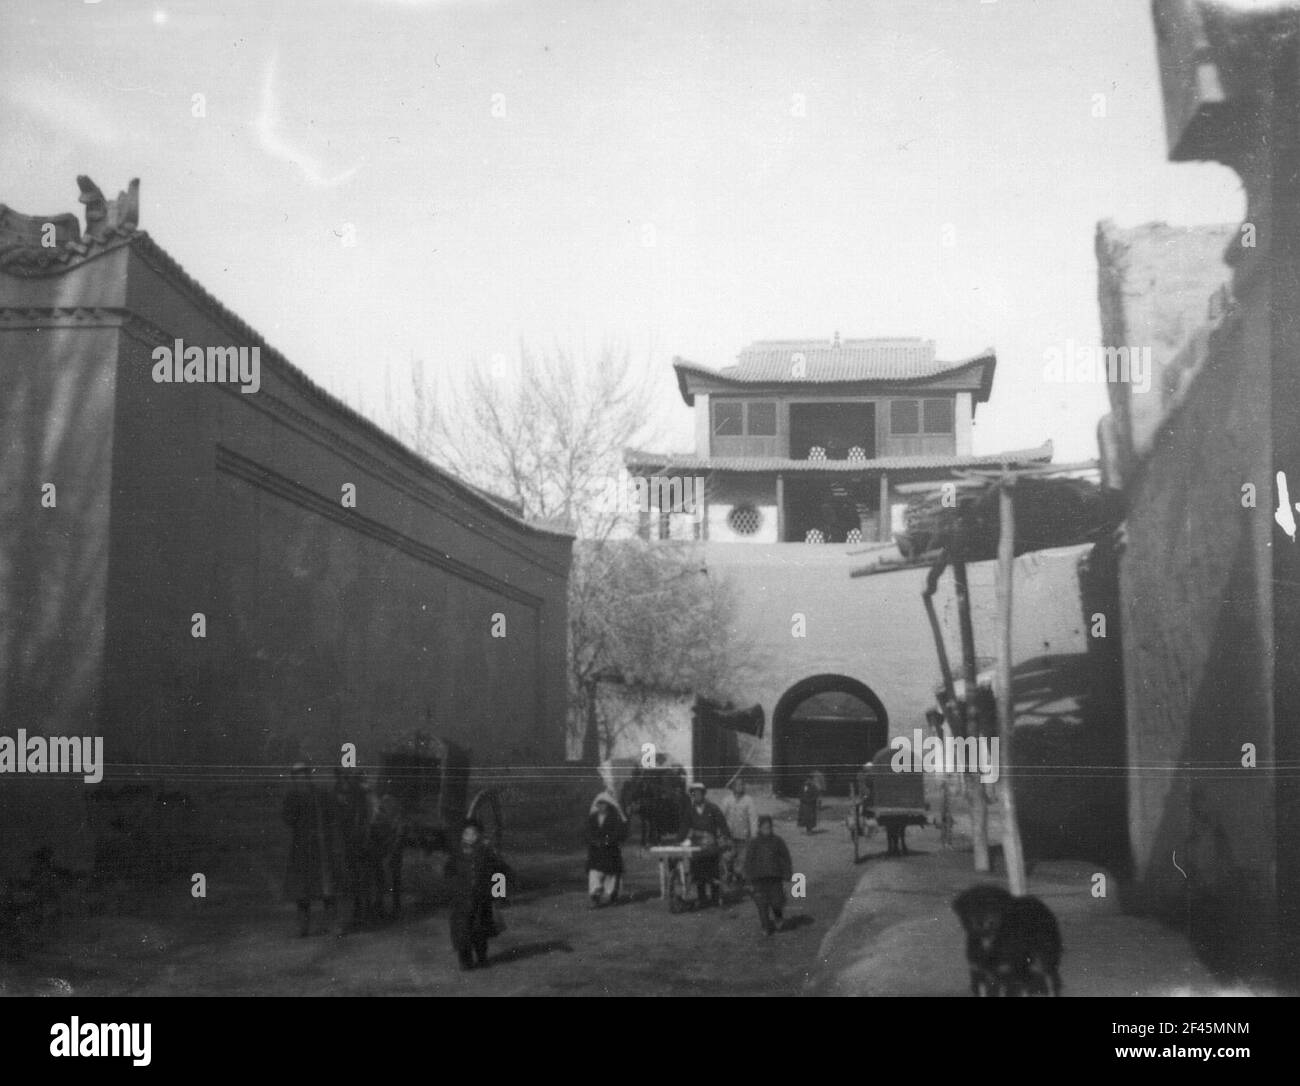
(927, 598)
(780, 507)
(969, 669)
(979, 808)
(884, 506)
(1011, 847)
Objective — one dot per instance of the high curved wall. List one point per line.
(422, 605)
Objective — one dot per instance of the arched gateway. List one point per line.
(827, 723)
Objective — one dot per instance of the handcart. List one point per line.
(886, 798)
(675, 883)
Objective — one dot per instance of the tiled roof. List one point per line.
(821, 362)
(669, 462)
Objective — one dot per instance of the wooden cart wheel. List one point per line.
(486, 808)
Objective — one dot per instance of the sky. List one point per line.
(369, 182)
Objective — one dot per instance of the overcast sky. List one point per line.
(678, 178)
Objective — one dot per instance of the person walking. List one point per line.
(809, 805)
(705, 827)
(606, 832)
(474, 871)
(742, 823)
(768, 868)
(311, 873)
(352, 814)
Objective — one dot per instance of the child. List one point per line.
(472, 871)
(767, 867)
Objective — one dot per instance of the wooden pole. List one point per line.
(979, 808)
(1011, 848)
(780, 507)
(927, 597)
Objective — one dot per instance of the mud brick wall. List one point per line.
(1155, 286)
(1198, 655)
(1211, 588)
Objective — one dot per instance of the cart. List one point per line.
(886, 798)
(423, 787)
(675, 885)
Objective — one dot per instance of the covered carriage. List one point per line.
(424, 797)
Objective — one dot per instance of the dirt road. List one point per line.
(239, 940)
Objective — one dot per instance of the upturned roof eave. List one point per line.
(686, 370)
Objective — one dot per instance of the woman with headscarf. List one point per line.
(606, 832)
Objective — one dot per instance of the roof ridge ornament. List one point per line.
(43, 244)
(104, 217)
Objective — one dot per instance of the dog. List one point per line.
(1013, 944)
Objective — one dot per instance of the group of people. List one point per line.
(657, 795)
(340, 844)
(344, 842)
(735, 845)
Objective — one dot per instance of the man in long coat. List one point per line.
(312, 872)
(703, 824)
(352, 812)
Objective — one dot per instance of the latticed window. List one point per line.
(728, 418)
(744, 519)
(762, 420)
(938, 416)
(905, 417)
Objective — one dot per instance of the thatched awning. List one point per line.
(961, 517)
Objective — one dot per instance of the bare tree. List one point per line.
(654, 619)
(546, 431)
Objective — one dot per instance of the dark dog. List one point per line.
(1013, 944)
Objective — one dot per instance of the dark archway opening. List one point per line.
(829, 724)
